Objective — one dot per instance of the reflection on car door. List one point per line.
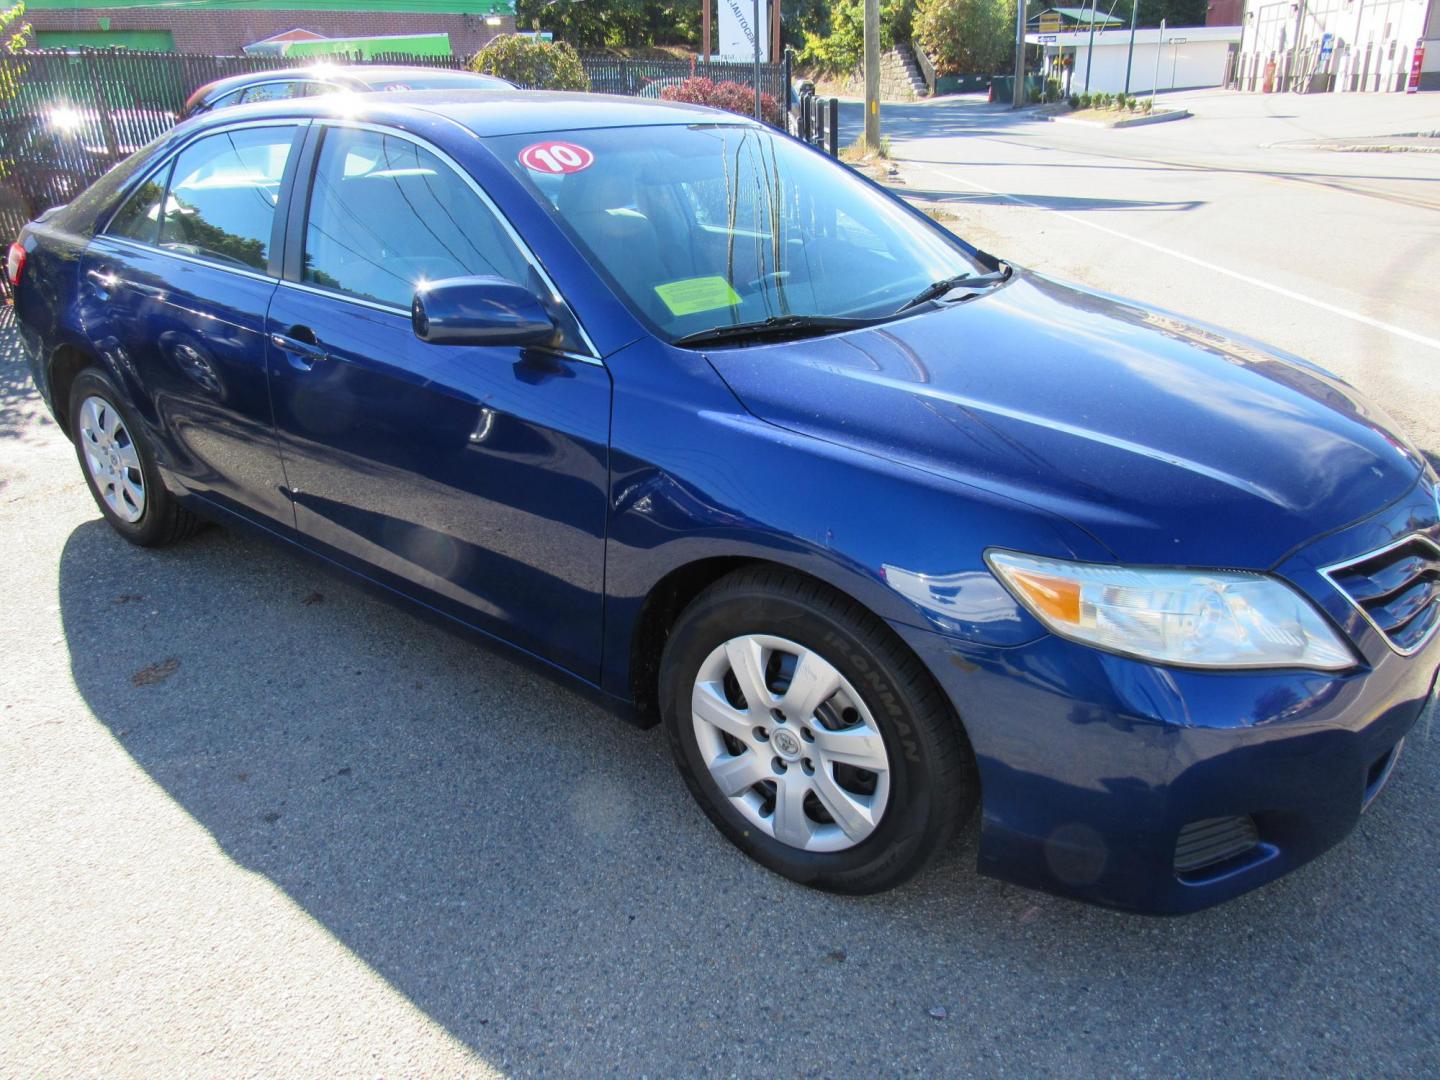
(473, 478)
(175, 293)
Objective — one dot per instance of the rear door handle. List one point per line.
(301, 354)
(103, 280)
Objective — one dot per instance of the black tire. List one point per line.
(933, 787)
(162, 520)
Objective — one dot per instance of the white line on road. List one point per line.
(1346, 313)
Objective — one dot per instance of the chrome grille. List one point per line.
(1397, 589)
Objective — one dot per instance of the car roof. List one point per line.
(497, 112)
(362, 74)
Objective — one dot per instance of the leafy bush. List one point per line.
(538, 65)
(730, 96)
(967, 37)
(1087, 101)
(1074, 101)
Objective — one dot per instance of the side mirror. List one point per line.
(480, 311)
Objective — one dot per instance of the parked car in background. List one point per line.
(286, 83)
(880, 527)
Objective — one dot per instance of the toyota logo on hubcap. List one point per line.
(786, 743)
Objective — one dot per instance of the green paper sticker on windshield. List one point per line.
(697, 294)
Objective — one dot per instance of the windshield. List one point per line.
(714, 225)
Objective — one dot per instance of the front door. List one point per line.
(471, 478)
(174, 293)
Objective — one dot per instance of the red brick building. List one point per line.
(1224, 12)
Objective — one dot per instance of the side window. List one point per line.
(223, 191)
(232, 98)
(270, 91)
(139, 218)
(386, 214)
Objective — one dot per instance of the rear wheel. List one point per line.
(810, 735)
(120, 468)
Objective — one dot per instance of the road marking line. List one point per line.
(1399, 331)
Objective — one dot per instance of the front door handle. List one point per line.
(301, 354)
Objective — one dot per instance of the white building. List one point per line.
(1188, 57)
(1346, 45)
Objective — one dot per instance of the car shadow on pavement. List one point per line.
(531, 872)
(20, 408)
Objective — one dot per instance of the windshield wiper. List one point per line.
(775, 328)
(959, 281)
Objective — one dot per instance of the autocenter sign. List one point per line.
(737, 34)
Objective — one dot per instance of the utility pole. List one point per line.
(1090, 48)
(1159, 43)
(705, 18)
(755, 37)
(1130, 56)
(1019, 98)
(872, 75)
(1294, 62)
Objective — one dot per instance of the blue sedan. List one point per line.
(879, 527)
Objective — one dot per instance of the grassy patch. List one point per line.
(859, 151)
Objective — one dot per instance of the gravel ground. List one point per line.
(256, 822)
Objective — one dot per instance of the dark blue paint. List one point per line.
(541, 498)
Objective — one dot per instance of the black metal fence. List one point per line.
(817, 122)
(67, 116)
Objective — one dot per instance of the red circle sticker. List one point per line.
(556, 158)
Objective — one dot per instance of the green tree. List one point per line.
(538, 65)
(840, 47)
(967, 37)
(14, 36)
(1174, 12)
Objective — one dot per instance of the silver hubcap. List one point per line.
(790, 743)
(111, 458)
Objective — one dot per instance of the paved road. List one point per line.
(1227, 217)
(253, 821)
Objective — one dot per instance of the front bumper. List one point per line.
(1091, 765)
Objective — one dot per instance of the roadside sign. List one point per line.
(1176, 41)
(1049, 39)
(1413, 86)
(1049, 23)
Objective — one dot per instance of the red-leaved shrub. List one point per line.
(731, 96)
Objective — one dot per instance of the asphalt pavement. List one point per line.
(254, 821)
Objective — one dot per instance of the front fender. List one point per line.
(694, 476)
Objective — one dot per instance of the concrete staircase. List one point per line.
(900, 78)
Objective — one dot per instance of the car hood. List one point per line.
(1169, 442)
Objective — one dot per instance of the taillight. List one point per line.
(15, 263)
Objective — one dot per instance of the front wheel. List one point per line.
(811, 736)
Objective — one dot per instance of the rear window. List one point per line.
(82, 213)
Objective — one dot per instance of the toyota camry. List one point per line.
(884, 530)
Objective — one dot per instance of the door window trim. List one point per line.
(299, 213)
(277, 231)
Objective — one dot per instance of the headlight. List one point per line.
(1199, 618)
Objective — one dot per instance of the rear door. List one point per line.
(472, 478)
(174, 294)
